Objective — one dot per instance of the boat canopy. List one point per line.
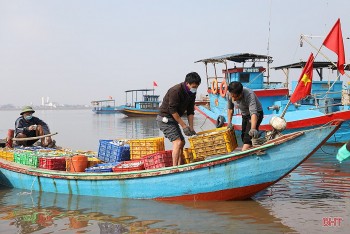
(109, 100)
(237, 57)
(138, 90)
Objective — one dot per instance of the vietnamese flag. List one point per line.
(334, 42)
(154, 84)
(305, 81)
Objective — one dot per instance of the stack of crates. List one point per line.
(6, 154)
(53, 163)
(135, 165)
(110, 151)
(142, 147)
(158, 160)
(26, 157)
(217, 141)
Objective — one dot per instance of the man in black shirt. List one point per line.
(29, 126)
(178, 100)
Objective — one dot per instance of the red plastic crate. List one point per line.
(135, 165)
(53, 163)
(158, 160)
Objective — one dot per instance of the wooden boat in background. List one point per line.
(235, 176)
(326, 103)
(147, 106)
(105, 107)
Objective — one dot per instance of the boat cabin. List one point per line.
(140, 99)
(248, 69)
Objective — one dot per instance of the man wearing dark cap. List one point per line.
(28, 125)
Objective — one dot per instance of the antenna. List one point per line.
(268, 48)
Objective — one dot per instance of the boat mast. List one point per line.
(206, 72)
(268, 49)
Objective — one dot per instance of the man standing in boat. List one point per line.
(29, 126)
(178, 100)
(251, 109)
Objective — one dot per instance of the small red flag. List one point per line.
(305, 81)
(154, 84)
(334, 42)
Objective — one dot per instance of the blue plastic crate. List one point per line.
(109, 152)
(102, 167)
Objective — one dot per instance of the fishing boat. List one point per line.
(234, 176)
(147, 106)
(105, 107)
(328, 101)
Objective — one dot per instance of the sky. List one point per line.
(76, 51)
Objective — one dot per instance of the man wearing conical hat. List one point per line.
(28, 125)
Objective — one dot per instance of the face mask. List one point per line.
(193, 90)
(28, 117)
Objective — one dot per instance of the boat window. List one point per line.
(244, 77)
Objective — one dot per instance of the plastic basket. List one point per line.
(53, 163)
(28, 158)
(109, 151)
(103, 167)
(187, 156)
(135, 165)
(158, 160)
(217, 141)
(92, 161)
(6, 154)
(142, 147)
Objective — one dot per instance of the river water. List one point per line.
(314, 198)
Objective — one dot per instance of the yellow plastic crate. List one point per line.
(142, 147)
(92, 161)
(213, 142)
(6, 154)
(187, 156)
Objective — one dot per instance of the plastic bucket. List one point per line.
(10, 135)
(78, 163)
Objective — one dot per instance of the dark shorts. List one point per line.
(30, 134)
(171, 130)
(246, 125)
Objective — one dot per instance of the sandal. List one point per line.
(52, 144)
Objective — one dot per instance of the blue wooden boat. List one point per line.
(327, 101)
(235, 176)
(105, 107)
(147, 106)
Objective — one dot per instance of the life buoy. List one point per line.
(214, 86)
(223, 90)
(220, 121)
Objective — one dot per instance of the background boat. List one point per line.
(147, 105)
(327, 101)
(105, 107)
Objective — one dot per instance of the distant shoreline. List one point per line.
(50, 108)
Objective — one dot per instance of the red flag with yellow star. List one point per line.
(305, 81)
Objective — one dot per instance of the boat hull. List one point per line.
(296, 121)
(235, 176)
(135, 112)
